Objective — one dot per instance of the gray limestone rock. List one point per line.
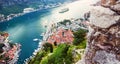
(103, 46)
(103, 17)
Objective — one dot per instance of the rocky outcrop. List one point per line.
(116, 8)
(103, 46)
(103, 17)
(114, 5)
(108, 2)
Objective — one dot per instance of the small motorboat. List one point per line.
(35, 39)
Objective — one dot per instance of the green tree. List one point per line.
(79, 36)
(48, 47)
(65, 21)
(60, 55)
(37, 59)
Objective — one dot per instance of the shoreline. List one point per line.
(47, 35)
(45, 38)
(33, 49)
(12, 16)
(17, 15)
(10, 50)
(16, 57)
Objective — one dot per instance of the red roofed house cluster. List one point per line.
(61, 36)
(8, 51)
(11, 52)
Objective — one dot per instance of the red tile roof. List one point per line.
(61, 36)
(11, 52)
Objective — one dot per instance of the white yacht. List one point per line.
(27, 10)
(64, 10)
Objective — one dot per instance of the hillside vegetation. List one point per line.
(63, 53)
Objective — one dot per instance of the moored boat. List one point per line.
(64, 10)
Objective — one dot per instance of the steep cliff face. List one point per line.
(103, 45)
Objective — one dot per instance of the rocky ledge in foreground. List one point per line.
(103, 45)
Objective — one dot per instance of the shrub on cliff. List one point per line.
(64, 22)
(61, 55)
(37, 59)
(48, 47)
(79, 36)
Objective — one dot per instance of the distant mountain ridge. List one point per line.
(14, 2)
(11, 2)
(12, 7)
(25, 3)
